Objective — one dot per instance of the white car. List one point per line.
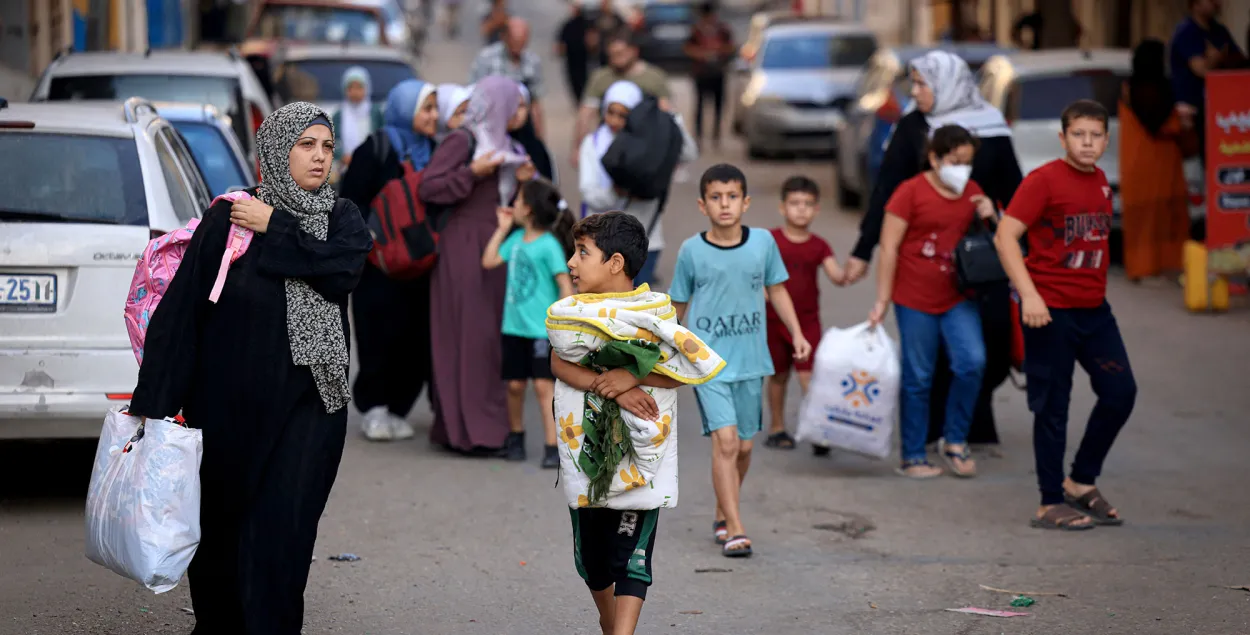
(1032, 89)
(224, 80)
(86, 186)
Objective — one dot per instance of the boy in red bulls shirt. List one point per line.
(1065, 208)
(805, 254)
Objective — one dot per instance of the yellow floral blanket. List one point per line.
(581, 324)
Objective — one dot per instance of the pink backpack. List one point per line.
(160, 262)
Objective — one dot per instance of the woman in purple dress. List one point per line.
(473, 171)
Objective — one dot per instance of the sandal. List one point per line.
(720, 532)
(734, 547)
(780, 440)
(1095, 506)
(1061, 517)
(903, 470)
(950, 457)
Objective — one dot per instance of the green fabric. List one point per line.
(637, 567)
(575, 517)
(606, 443)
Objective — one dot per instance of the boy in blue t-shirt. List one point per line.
(719, 290)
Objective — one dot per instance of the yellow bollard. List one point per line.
(1196, 287)
(1219, 294)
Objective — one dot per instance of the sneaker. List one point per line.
(551, 457)
(376, 425)
(400, 428)
(514, 447)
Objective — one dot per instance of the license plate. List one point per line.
(27, 293)
(672, 32)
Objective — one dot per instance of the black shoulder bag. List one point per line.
(976, 258)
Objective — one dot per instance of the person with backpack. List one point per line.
(601, 193)
(473, 172)
(392, 316)
(258, 361)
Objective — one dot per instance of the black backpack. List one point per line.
(643, 157)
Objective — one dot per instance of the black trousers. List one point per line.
(995, 307)
(392, 320)
(577, 76)
(709, 86)
(1091, 338)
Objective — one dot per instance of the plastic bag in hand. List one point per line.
(854, 391)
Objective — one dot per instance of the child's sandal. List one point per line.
(720, 532)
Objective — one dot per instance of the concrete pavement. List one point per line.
(451, 545)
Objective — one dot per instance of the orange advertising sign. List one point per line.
(1228, 171)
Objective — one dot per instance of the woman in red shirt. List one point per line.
(925, 218)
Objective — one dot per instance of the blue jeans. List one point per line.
(922, 335)
(647, 272)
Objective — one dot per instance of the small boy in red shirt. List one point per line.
(1065, 208)
(804, 255)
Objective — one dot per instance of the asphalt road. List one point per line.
(452, 546)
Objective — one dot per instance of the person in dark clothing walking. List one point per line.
(263, 373)
(710, 47)
(392, 317)
(572, 45)
(946, 93)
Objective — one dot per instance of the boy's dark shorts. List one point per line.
(614, 546)
(524, 358)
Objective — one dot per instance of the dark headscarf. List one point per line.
(1149, 91)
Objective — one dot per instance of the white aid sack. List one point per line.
(854, 392)
(143, 505)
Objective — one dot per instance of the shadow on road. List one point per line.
(41, 470)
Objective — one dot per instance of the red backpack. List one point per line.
(405, 230)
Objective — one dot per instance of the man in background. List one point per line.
(606, 23)
(573, 45)
(512, 58)
(624, 62)
(1200, 45)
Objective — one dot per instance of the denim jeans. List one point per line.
(922, 335)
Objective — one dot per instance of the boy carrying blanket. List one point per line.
(618, 354)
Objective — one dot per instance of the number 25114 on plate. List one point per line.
(27, 293)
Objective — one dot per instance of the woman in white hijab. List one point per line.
(600, 194)
(356, 118)
(453, 102)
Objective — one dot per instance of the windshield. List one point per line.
(213, 155)
(1046, 97)
(71, 178)
(319, 24)
(667, 13)
(796, 52)
(322, 80)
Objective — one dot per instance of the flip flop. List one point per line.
(1060, 517)
(780, 440)
(902, 470)
(1093, 504)
(720, 532)
(950, 457)
(741, 552)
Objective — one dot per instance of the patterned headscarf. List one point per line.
(402, 104)
(314, 324)
(956, 99)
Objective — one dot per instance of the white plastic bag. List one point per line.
(854, 391)
(143, 505)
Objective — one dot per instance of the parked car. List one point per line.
(315, 72)
(879, 102)
(800, 84)
(214, 146)
(224, 80)
(1032, 88)
(98, 180)
(663, 29)
(317, 21)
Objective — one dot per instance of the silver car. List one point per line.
(213, 144)
(85, 186)
(224, 80)
(800, 83)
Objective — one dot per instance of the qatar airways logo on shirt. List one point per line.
(730, 325)
(1087, 227)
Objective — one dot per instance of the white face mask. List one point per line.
(955, 176)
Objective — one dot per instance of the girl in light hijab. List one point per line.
(453, 102)
(263, 373)
(392, 316)
(474, 172)
(945, 93)
(356, 118)
(600, 194)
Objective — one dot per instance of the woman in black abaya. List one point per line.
(946, 93)
(263, 372)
